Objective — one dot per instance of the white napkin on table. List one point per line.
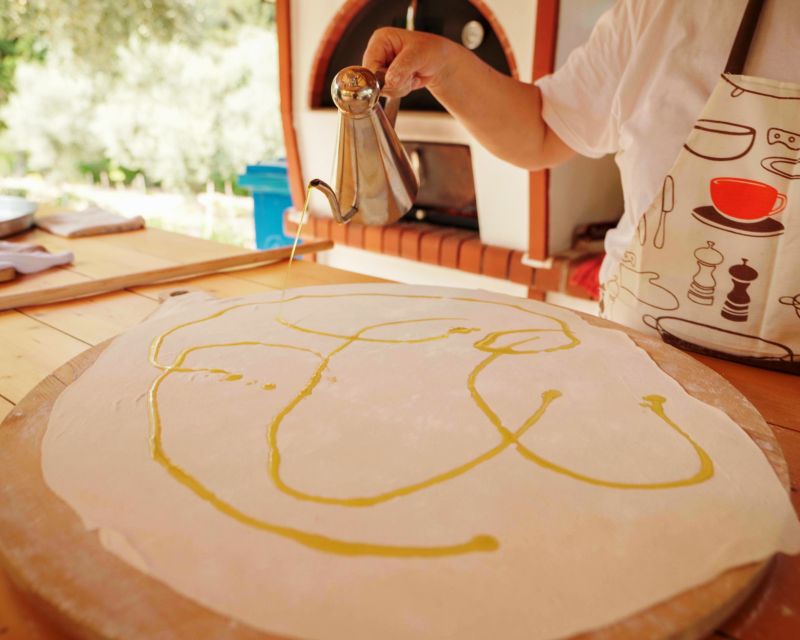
(89, 222)
(31, 258)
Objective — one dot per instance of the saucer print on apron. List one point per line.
(720, 271)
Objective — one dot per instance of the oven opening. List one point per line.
(458, 20)
(446, 186)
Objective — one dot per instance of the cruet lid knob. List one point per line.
(355, 90)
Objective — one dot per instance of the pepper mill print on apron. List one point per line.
(720, 271)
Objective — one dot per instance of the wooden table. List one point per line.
(36, 340)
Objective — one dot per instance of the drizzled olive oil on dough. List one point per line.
(491, 344)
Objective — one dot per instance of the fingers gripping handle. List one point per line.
(392, 105)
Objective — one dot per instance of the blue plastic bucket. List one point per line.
(269, 184)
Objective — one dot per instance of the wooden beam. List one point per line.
(284, 30)
(544, 55)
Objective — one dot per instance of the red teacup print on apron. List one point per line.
(715, 264)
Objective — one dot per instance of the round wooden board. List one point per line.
(90, 593)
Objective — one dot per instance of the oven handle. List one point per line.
(416, 164)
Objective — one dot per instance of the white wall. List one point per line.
(582, 190)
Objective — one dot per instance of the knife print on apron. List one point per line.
(714, 265)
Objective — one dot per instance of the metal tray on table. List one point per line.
(16, 215)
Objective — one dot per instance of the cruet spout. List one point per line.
(333, 201)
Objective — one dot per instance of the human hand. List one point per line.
(413, 59)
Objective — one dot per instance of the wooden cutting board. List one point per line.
(7, 273)
(90, 593)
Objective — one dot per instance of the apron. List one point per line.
(715, 264)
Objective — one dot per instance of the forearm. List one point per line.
(504, 114)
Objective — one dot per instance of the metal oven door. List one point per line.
(446, 187)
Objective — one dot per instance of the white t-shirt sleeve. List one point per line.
(579, 100)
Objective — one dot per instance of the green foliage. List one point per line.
(12, 51)
(95, 29)
(96, 168)
(182, 91)
(180, 115)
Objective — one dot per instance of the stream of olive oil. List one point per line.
(303, 216)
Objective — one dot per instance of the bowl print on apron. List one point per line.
(715, 264)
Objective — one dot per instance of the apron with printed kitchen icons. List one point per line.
(715, 264)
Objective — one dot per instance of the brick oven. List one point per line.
(478, 221)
